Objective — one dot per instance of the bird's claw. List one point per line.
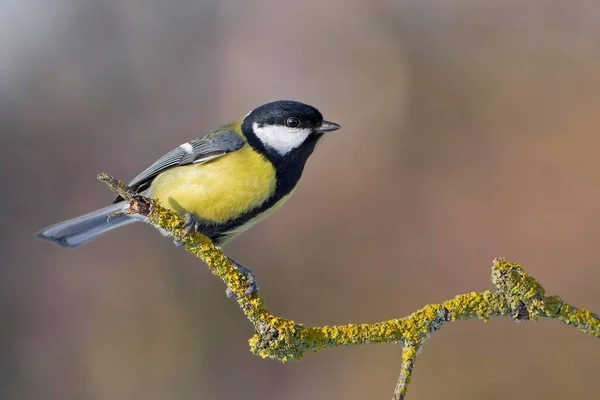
(252, 286)
(192, 223)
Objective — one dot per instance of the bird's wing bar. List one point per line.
(206, 148)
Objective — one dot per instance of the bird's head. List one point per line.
(284, 129)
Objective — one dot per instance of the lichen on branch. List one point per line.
(517, 295)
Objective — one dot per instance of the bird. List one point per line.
(224, 182)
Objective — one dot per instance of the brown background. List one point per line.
(471, 130)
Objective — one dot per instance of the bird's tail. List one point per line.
(80, 230)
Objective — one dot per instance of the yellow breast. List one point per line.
(218, 190)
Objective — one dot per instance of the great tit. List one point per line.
(223, 182)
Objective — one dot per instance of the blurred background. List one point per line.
(470, 131)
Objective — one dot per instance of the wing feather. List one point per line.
(204, 149)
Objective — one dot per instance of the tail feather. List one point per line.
(80, 230)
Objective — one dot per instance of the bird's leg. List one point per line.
(192, 223)
(250, 281)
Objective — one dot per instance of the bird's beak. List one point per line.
(327, 126)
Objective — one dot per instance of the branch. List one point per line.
(517, 295)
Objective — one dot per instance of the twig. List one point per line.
(409, 357)
(117, 186)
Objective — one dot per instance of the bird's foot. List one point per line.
(252, 286)
(192, 223)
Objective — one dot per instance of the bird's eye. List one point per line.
(292, 122)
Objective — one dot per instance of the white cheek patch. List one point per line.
(280, 138)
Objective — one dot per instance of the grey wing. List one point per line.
(206, 148)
